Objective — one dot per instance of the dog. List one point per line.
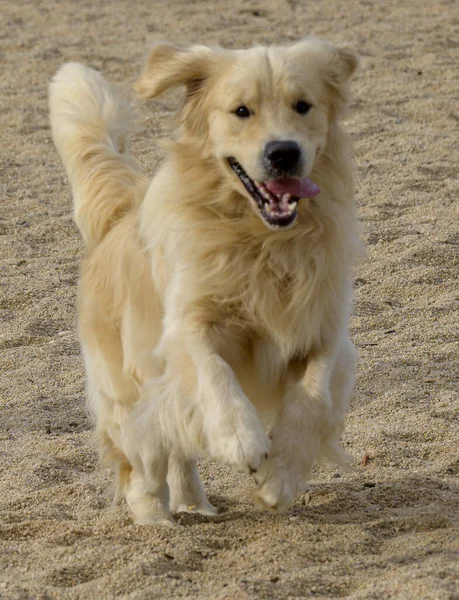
(214, 300)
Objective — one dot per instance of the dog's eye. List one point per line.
(302, 107)
(242, 111)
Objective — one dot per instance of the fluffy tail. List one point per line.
(89, 123)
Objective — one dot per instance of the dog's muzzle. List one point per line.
(277, 199)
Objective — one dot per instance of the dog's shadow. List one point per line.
(412, 503)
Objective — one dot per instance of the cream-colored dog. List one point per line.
(214, 300)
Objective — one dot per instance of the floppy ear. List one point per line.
(169, 66)
(339, 67)
(343, 63)
(335, 64)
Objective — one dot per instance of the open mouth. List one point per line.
(277, 199)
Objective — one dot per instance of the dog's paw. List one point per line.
(146, 508)
(199, 506)
(279, 485)
(200, 509)
(240, 441)
(154, 520)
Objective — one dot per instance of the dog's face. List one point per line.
(264, 114)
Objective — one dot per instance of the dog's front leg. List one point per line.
(306, 422)
(225, 424)
(232, 430)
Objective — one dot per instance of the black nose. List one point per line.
(282, 156)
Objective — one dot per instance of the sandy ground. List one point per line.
(388, 528)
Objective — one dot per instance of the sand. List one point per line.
(387, 528)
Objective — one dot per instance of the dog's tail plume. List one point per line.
(89, 123)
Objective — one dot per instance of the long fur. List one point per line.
(204, 331)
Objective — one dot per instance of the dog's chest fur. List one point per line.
(280, 293)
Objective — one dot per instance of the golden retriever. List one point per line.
(214, 300)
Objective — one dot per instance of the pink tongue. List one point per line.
(300, 188)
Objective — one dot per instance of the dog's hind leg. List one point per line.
(113, 398)
(162, 458)
(147, 494)
(187, 493)
(145, 487)
(147, 446)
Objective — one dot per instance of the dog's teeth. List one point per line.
(277, 207)
(264, 192)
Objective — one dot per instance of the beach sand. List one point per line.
(388, 528)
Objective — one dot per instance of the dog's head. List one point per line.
(263, 113)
